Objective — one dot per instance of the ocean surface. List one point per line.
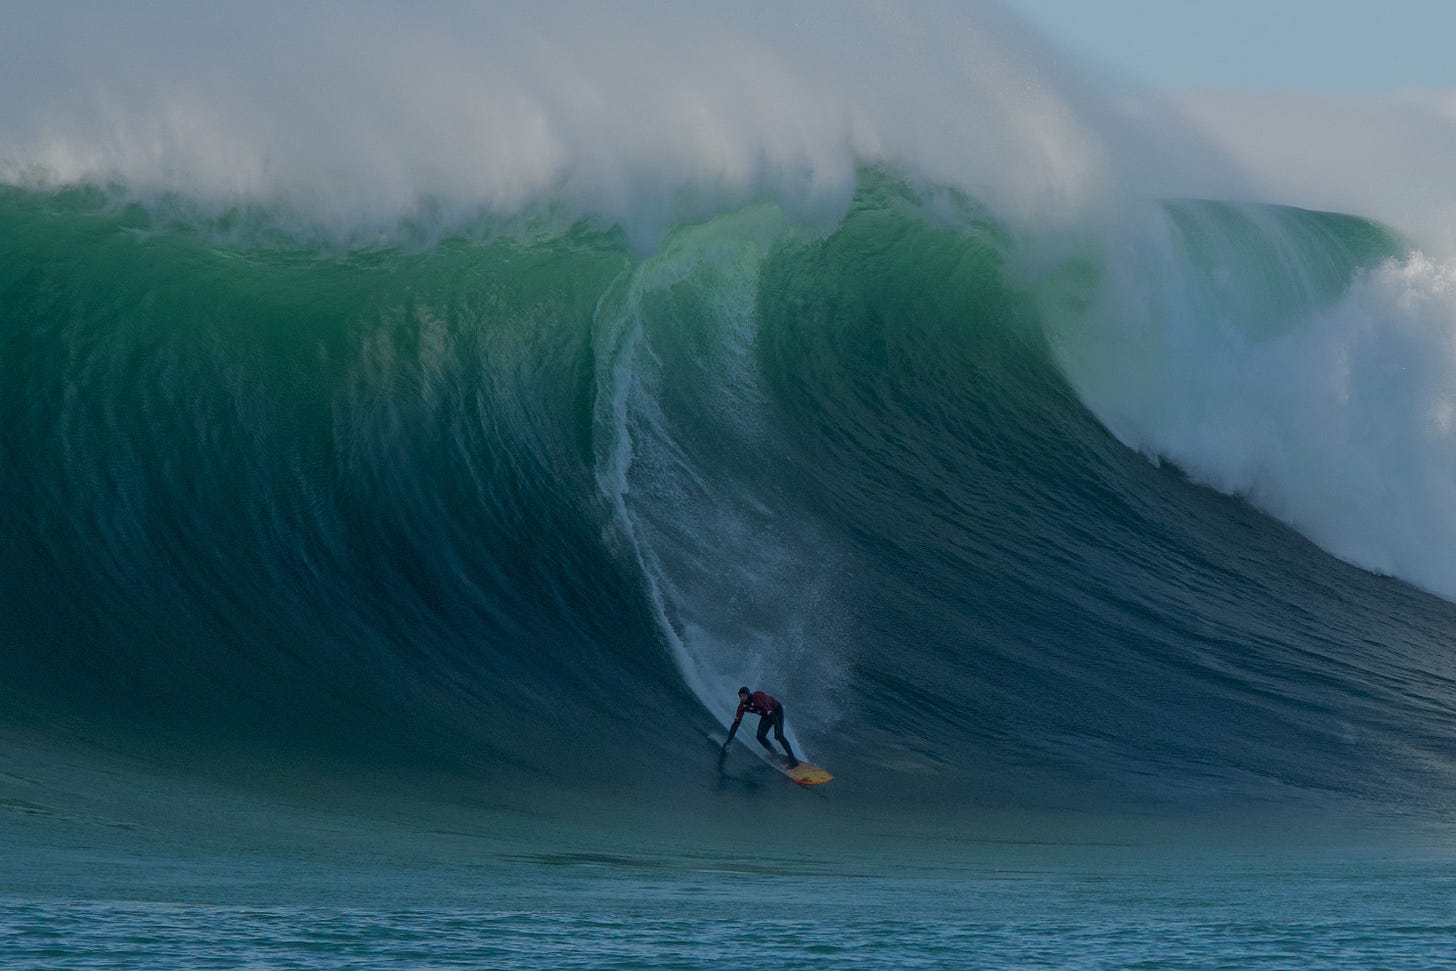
(399, 481)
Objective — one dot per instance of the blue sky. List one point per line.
(1322, 46)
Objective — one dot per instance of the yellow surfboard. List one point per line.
(805, 774)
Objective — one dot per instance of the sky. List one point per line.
(1314, 46)
(1346, 105)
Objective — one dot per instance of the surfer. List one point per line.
(770, 713)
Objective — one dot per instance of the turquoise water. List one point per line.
(632, 915)
(571, 898)
(110, 864)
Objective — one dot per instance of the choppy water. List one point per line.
(1052, 905)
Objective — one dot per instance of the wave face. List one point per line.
(499, 390)
(525, 498)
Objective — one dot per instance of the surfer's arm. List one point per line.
(733, 730)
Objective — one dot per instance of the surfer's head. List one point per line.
(743, 692)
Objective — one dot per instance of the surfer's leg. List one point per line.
(778, 725)
(763, 724)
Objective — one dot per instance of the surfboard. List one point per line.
(805, 773)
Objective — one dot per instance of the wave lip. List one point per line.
(636, 117)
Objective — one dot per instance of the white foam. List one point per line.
(358, 115)
(1340, 422)
(737, 582)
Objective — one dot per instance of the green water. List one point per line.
(373, 608)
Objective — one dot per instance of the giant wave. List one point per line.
(489, 423)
